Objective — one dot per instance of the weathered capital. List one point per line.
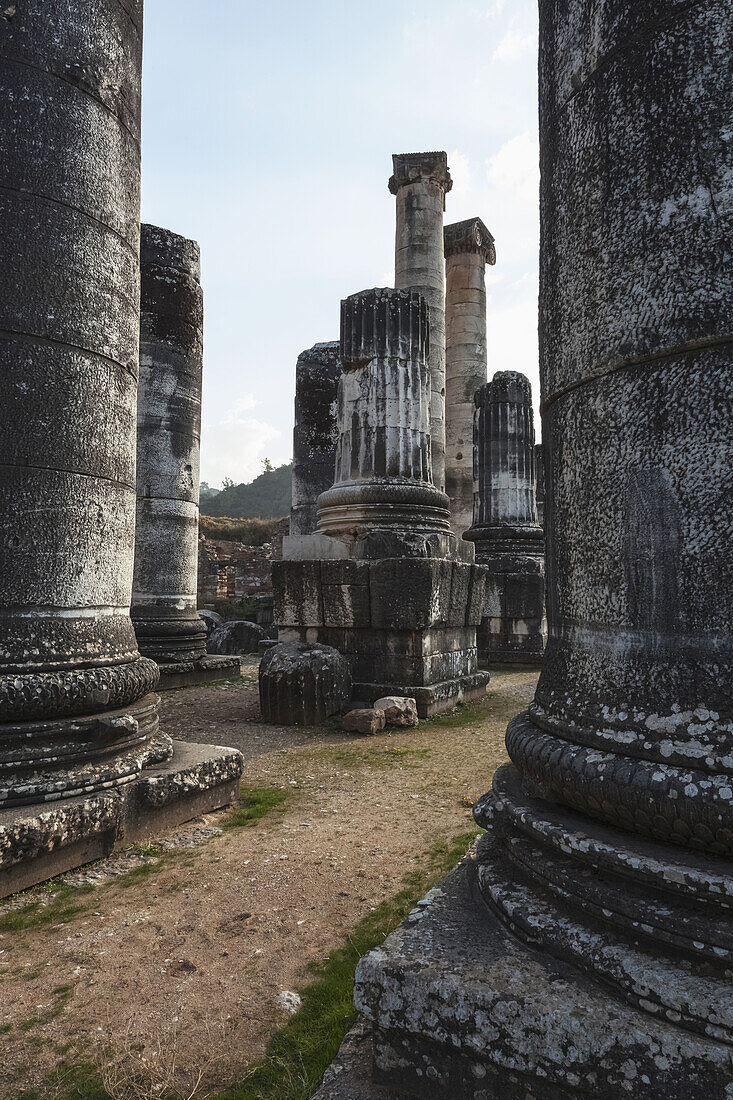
(470, 235)
(412, 167)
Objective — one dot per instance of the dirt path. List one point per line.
(182, 960)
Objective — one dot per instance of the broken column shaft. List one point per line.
(315, 433)
(167, 625)
(75, 702)
(508, 539)
(469, 247)
(420, 182)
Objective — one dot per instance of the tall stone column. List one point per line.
(468, 248)
(75, 702)
(168, 627)
(508, 539)
(539, 482)
(420, 181)
(78, 715)
(601, 964)
(315, 433)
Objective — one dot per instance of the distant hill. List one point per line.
(267, 497)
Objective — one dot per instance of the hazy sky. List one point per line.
(268, 129)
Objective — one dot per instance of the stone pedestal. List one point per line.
(589, 949)
(78, 713)
(468, 248)
(315, 434)
(163, 611)
(420, 181)
(384, 580)
(508, 539)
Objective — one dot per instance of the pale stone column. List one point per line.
(75, 708)
(468, 248)
(315, 433)
(420, 181)
(164, 612)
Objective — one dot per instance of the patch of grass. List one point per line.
(64, 904)
(300, 1052)
(62, 996)
(465, 714)
(74, 1081)
(256, 803)
(358, 756)
(140, 848)
(5, 1028)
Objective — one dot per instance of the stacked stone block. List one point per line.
(506, 534)
(383, 579)
(469, 247)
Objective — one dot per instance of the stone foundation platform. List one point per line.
(43, 840)
(462, 1010)
(431, 700)
(190, 673)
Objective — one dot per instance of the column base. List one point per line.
(432, 699)
(180, 674)
(461, 1009)
(42, 841)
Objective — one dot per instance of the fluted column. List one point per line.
(75, 713)
(508, 539)
(315, 432)
(631, 729)
(164, 612)
(383, 472)
(420, 181)
(468, 248)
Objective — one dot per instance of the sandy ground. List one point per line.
(186, 964)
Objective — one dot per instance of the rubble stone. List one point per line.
(367, 720)
(302, 685)
(211, 620)
(236, 636)
(398, 710)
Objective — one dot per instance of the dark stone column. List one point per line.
(601, 961)
(420, 182)
(75, 706)
(168, 435)
(469, 247)
(383, 476)
(315, 433)
(539, 482)
(508, 539)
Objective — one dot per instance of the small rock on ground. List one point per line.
(399, 710)
(368, 721)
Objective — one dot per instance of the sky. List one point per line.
(268, 132)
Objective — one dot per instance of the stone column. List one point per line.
(468, 248)
(420, 182)
(315, 433)
(539, 482)
(508, 539)
(75, 704)
(164, 613)
(383, 476)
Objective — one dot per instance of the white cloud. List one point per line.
(515, 169)
(513, 46)
(235, 445)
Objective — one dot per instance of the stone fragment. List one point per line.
(303, 684)
(212, 620)
(399, 710)
(420, 182)
(290, 1002)
(469, 247)
(367, 721)
(237, 636)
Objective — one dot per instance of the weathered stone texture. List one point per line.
(69, 210)
(234, 637)
(539, 483)
(315, 434)
(610, 835)
(420, 181)
(303, 684)
(168, 439)
(508, 539)
(468, 248)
